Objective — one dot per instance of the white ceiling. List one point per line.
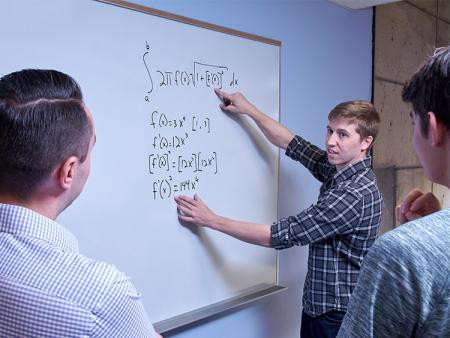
(358, 4)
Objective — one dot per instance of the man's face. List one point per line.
(344, 145)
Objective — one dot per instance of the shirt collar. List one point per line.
(18, 220)
(352, 169)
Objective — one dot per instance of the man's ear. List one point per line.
(438, 131)
(367, 141)
(67, 171)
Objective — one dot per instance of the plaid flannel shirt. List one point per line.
(340, 228)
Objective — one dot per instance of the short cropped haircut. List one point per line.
(362, 113)
(42, 123)
(429, 89)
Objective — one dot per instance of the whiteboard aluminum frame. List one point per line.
(194, 22)
(209, 312)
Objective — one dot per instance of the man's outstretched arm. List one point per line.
(195, 211)
(274, 131)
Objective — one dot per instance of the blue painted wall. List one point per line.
(326, 59)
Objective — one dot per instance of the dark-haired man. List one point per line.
(47, 288)
(404, 285)
(339, 228)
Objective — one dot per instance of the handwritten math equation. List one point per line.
(172, 155)
(200, 74)
(195, 162)
(178, 160)
(173, 159)
(167, 187)
(160, 120)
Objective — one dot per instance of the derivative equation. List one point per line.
(165, 188)
(195, 162)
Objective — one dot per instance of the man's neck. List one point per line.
(41, 207)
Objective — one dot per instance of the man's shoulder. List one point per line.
(435, 227)
(59, 275)
(358, 176)
(77, 278)
(364, 186)
(95, 280)
(98, 273)
(425, 239)
(363, 179)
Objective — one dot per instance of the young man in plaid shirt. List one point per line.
(340, 228)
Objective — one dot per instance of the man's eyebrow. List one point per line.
(338, 129)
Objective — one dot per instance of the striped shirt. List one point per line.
(340, 228)
(48, 289)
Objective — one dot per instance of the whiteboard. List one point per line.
(148, 81)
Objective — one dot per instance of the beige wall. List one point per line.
(406, 33)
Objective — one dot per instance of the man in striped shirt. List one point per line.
(47, 288)
(339, 228)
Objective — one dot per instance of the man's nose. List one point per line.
(331, 139)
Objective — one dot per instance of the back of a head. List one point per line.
(362, 113)
(42, 122)
(429, 89)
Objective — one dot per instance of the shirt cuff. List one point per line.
(280, 234)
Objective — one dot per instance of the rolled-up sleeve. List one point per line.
(311, 157)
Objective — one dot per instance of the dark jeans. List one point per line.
(323, 326)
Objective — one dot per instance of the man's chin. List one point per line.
(332, 160)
